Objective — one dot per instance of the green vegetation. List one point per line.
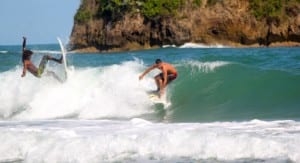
(213, 2)
(155, 8)
(113, 9)
(266, 8)
(274, 8)
(83, 14)
(197, 2)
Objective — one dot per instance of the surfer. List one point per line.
(168, 74)
(28, 65)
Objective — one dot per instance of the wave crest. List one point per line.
(206, 66)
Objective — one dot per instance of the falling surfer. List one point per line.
(37, 72)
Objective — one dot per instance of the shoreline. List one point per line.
(93, 49)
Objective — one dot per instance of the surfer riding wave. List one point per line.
(169, 73)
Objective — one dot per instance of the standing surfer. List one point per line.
(168, 74)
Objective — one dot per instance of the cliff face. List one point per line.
(227, 22)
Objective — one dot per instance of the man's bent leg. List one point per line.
(157, 82)
(171, 77)
(55, 59)
(42, 66)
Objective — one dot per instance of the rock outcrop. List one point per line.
(227, 22)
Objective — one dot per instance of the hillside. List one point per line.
(118, 25)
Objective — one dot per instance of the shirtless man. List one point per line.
(28, 65)
(168, 72)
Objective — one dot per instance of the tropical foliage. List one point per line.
(152, 9)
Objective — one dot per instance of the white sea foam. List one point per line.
(89, 93)
(195, 45)
(3, 51)
(46, 51)
(205, 66)
(169, 46)
(139, 140)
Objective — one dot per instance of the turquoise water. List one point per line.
(214, 84)
(246, 98)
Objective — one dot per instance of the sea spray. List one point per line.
(139, 140)
(211, 90)
(227, 105)
(90, 93)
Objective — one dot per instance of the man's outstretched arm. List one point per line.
(24, 43)
(24, 69)
(147, 71)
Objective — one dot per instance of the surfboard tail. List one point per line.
(63, 53)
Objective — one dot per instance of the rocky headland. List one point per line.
(122, 25)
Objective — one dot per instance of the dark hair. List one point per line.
(157, 61)
(26, 55)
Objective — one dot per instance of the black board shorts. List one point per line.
(171, 76)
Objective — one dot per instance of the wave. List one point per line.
(169, 46)
(203, 91)
(3, 52)
(34, 51)
(204, 66)
(226, 91)
(46, 51)
(194, 45)
(90, 93)
(139, 140)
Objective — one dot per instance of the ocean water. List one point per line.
(227, 105)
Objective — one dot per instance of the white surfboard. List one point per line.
(154, 97)
(63, 53)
